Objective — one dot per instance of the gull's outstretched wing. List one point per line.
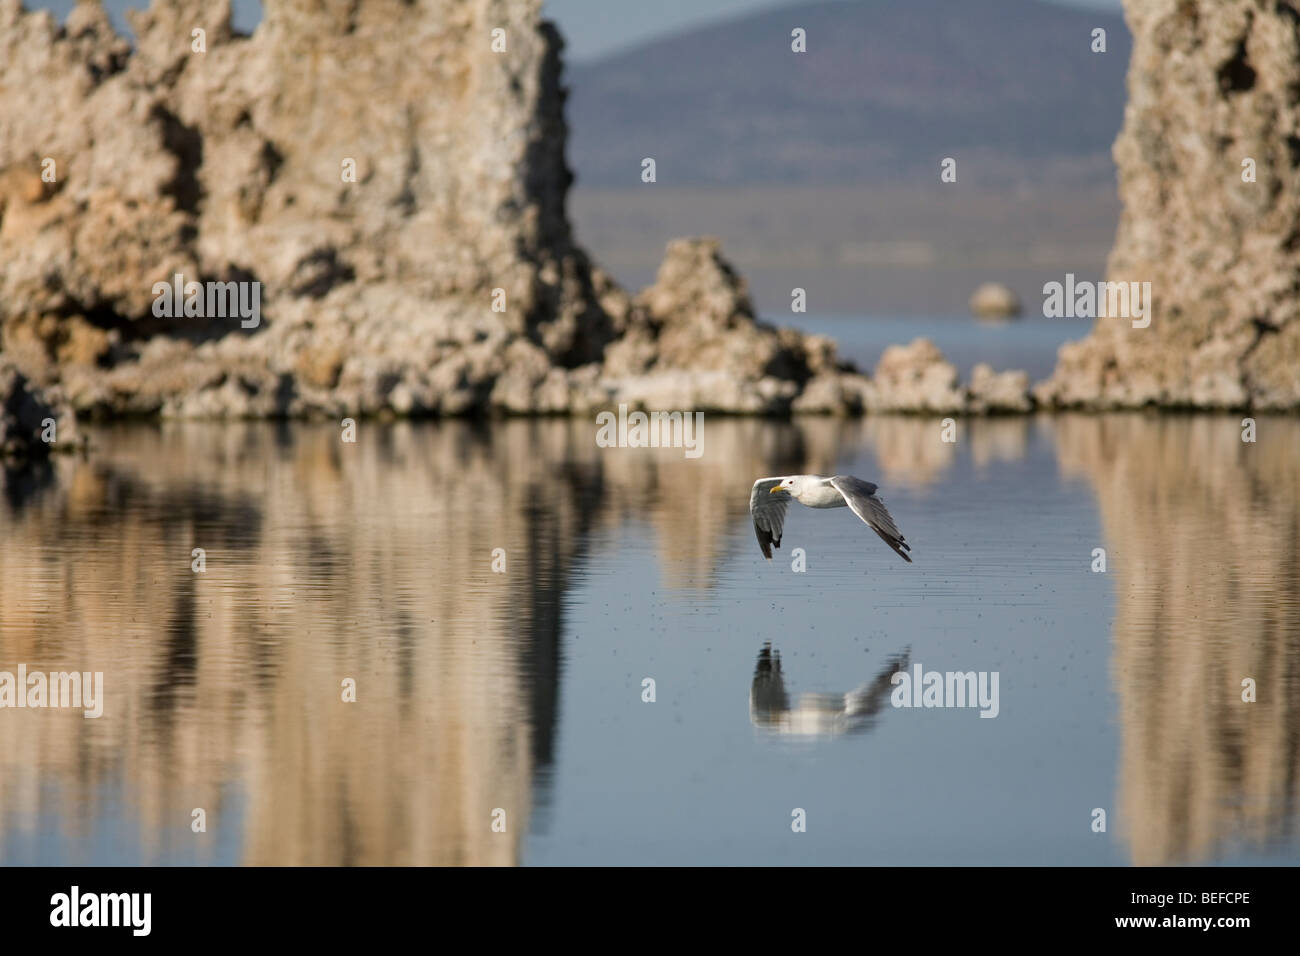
(861, 496)
(768, 510)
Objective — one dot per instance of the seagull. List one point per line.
(770, 496)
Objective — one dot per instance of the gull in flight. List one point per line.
(770, 496)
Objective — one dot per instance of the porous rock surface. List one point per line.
(1213, 84)
(394, 184)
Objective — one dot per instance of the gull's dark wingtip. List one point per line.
(899, 546)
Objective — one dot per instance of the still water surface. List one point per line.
(522, 691)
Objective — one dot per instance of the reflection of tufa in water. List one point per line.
(1203, 531)
(816, 715)
(221, 684)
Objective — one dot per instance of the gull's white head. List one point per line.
(792, 485)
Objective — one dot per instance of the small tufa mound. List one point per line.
(992, 300)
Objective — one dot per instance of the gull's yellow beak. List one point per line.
(774, 489)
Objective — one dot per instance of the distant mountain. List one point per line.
(887, 89)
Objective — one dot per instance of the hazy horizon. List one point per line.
(591, 28)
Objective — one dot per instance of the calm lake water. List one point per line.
(521, 691)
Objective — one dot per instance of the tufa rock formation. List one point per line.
(377, 183)
(917, 377)
(395, 187)
(1212, 84)
(993, 300)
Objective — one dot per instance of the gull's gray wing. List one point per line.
(861, 497)
(768, 510)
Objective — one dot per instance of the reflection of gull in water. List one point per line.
(770, 496)
(816, 715)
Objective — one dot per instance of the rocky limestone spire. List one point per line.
(1212, 84)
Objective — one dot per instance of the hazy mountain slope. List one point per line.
(885, 91)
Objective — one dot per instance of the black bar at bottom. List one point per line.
(332, 905)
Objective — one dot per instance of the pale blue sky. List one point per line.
(591, 28)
